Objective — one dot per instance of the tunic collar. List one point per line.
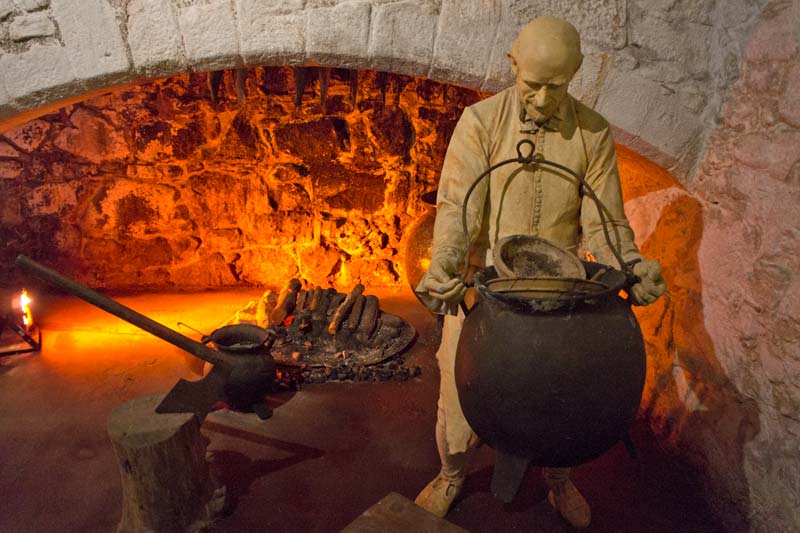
(554, 123)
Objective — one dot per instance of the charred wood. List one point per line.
(369, 318)
(344, 308)
(286, 302)
(355, 313)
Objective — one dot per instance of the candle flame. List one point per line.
(25, 305)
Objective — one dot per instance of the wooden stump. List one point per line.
(166, 484)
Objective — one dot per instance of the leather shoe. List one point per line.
(438, 495)
(566, 499)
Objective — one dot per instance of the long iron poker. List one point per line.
(127, 314)
(230, 375)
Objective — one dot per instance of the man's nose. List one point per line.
(542, 97)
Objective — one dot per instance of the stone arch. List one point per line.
(645, 70)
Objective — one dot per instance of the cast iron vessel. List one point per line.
(558, 387)
(553, 380)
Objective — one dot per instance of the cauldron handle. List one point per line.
(529, 159)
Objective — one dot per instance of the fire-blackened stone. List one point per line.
(144, 253)
(157, 131)
(291, 197)
(30, 135)
(317, 263)
(338, 105)
(342, 133)
(393, 131)
(432, 154)
(275, 81)
(241, 141)
(313, 142)
(91, 136)
(207, 200)
(431, 91)
(264, 265)
(132, 209)
(212, 271)
(290, 173)
(401, 193)
(187, 141)
(342, 188)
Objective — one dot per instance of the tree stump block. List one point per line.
(166, 485)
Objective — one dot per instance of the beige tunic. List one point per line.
(531, 200)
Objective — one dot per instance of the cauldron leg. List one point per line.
(507, 477)
(629, 446)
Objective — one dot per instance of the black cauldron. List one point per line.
(557, 384)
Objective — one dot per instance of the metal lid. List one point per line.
(528, 256)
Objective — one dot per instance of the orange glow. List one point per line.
(25, 306)
(425, 262)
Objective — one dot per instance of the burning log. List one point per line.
(262, 318)
(319, 310)
(369, 318)
(316, 295)
(166, 484)
(355, 314)
(344, 308)
(286, 302)
(302, 298)
(302, 321)
(335, 302)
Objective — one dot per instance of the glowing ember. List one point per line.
(25, 306)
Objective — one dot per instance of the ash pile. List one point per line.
(323, 335)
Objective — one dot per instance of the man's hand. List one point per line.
(442, 281)
(651, 286)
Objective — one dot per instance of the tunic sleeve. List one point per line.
(466, 158)
(602, 176)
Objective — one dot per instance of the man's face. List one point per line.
(542, 82)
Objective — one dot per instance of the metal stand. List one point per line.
(35, 345)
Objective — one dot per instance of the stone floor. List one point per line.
(329, 452)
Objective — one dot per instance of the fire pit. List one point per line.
(319, 334)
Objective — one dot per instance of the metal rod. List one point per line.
(125, 313)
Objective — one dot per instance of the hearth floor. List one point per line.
(329, 452)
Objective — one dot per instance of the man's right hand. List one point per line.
(442, 281)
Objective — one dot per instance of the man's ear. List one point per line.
(513, 64)
(578, 66)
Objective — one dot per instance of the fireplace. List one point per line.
(233, 178)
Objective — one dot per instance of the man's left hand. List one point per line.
(651, 285)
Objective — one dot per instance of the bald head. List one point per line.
(548, 41)
(544, 57)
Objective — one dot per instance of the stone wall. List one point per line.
(174, 183)
(659, 70)
(749, 187)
